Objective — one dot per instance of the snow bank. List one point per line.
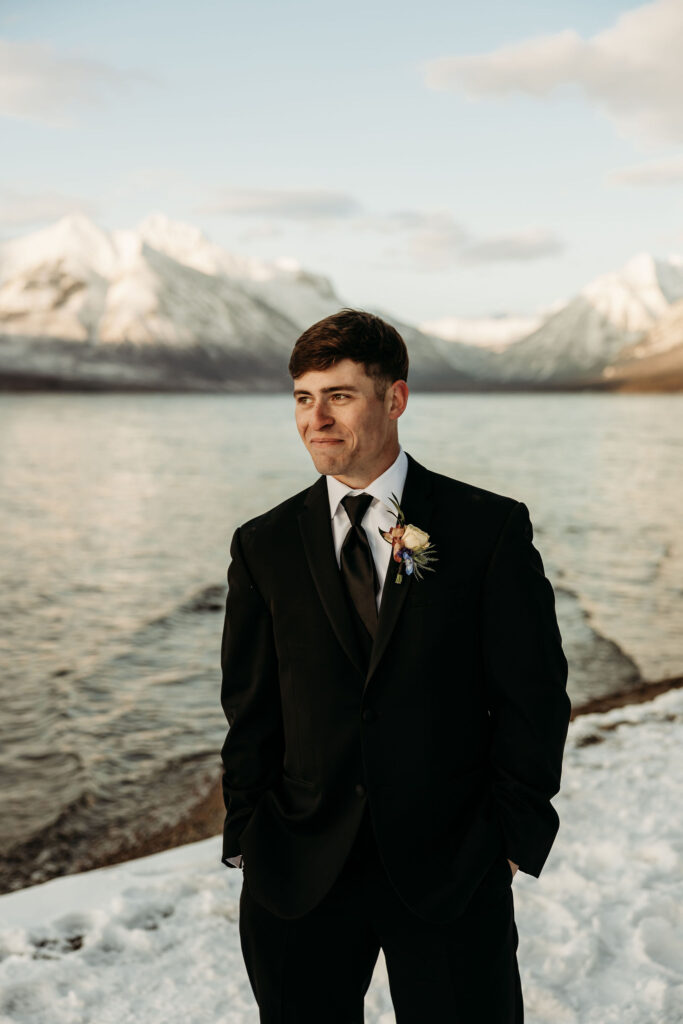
(155, 941)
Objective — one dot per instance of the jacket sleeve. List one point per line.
(526, 679)
(250, 696)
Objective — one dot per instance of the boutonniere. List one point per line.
(411, 546)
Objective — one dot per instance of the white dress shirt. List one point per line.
(378, 516)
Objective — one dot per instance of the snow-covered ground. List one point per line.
(601, 932)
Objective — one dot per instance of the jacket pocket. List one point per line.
(297, 780)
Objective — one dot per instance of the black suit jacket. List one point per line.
(453, 734)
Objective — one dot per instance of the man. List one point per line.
(397, 713)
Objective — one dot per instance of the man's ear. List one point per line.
(399, 398)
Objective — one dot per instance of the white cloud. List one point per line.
(633, 71)
(532, 244)
(19, 209)
(656, 172)
(435, 241)
(429, 240)
(266, 229)
(40, 85)
(288, 204)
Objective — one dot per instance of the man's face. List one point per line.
(350, 432)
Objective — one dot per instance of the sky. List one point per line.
(432, 159)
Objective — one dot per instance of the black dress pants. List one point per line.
(317, 968)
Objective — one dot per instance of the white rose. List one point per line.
(414, 539)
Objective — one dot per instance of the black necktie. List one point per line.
(357, 564)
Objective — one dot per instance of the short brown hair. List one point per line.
(357, 335)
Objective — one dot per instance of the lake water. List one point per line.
(117, 513)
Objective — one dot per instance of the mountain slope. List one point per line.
(656, 362)
(164, 305)
(611, 313)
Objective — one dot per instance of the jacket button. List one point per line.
(360, 789)
(368, 715)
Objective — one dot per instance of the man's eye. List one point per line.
(339, 394)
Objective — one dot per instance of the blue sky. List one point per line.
(434, 159)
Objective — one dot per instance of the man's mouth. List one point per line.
(326, 440)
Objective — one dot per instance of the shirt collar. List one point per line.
(390, 482)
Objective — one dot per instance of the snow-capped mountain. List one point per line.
(613, 312)
(666, 334)
(162, 304)
(656, 361)
(162, 282)
(635, 297)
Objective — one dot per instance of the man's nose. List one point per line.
(320, 416)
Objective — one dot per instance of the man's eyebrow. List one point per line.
(334, 387)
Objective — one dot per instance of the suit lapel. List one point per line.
(417, 504)
(316, 532)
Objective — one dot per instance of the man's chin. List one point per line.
(329, 462)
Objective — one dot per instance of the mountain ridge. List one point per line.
(161, 306)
